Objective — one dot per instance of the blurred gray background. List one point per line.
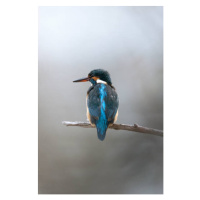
(128, 42)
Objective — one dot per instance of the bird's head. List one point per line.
(97, 76)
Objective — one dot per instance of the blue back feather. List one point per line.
(102, 123)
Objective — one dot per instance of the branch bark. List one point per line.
(126, 127)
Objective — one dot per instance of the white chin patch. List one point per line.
(100, 81)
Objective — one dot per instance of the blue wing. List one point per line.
(103, 104)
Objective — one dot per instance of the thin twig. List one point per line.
(126, 127)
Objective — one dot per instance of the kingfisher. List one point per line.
(102, 101)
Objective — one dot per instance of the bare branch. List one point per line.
(126, 127)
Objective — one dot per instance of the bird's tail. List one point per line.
(101, 129)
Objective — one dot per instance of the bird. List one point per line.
(102, 101)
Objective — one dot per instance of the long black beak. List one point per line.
(82, 79)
